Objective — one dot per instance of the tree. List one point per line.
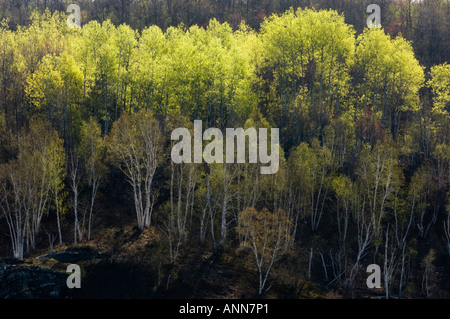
(183, 179)
(182, 191)
(147, 64)
(75, 185)
(93, 152)
(440, 86)
(421, 186)
(4, 138)
(346, 195)
(41, 45)
(96, 50)
(32, 162)
(10, 203)
(10, 70)
(221, 189)
(55, 161)
(388, 78)
(429, 278)
(126, 42)
(314, 166)
(135, 147)
(307, 55)
(378, 177)
(265, 233)
(364, 237)
(56, 88)
(404, 207)
(25, 186)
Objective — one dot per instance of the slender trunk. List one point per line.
(91, 207)
(223, 225)
(386, 273)
(447, 232)
(402, 272)
(211, 211)
(75, 211)
(171, 217)
(260, 281)
(57, 216)
(74, 185)
(203, 227)
(324, 267)
(310, 263)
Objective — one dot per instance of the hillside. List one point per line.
(277, 156)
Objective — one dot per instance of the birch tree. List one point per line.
(11, 183)
(31, 160)
(378, 177)
(93, 153)
(56, 164)
(135, 144)
(364, 237)
(183, 179)
(404, 214)
(75, 186)
(421, 186)
(266, 233)
(181, 182)
(346, 195)
(221, 191)
(315, 165)
(26, 186)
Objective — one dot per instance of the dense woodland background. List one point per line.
(86, 116)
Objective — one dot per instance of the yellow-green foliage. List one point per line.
(440, 85)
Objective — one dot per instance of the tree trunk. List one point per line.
(57, 216)
(310, 262)
(386, 273)
(91, 207)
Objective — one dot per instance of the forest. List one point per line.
(86, 116)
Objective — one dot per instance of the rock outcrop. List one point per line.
(20, 281)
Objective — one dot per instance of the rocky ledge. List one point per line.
(26, 280)
(20, 281)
